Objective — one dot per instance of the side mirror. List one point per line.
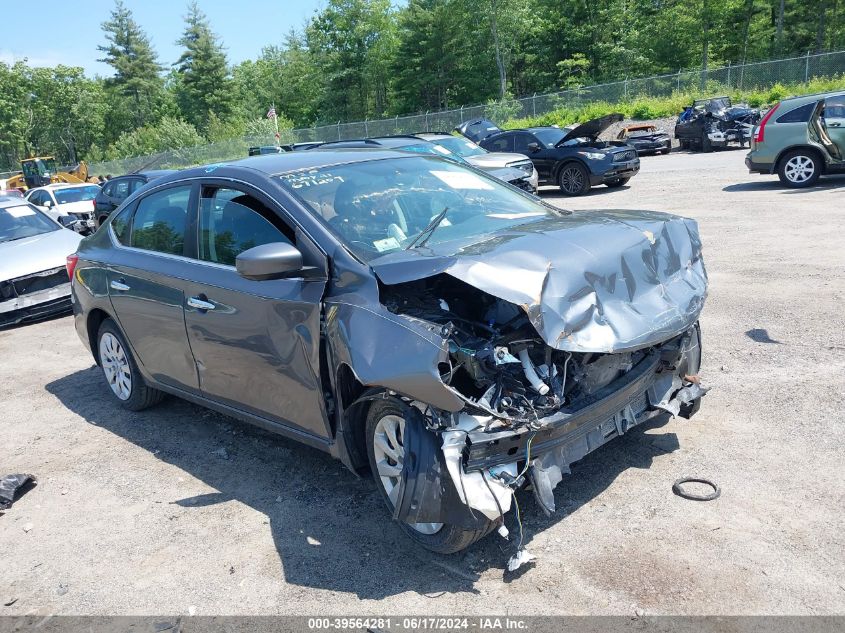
(269, 261)
(48, 204)
(533, 147)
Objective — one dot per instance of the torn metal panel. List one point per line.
(592, 281)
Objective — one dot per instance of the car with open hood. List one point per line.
(33, 251)
(573, 158)
(646, 139)
(414, 317)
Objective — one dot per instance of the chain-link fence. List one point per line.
(754, 76)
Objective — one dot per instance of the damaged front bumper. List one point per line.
(480, 463)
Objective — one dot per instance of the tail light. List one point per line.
(758, 135)
(71, 265)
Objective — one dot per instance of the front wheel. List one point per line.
(385, 434)
(121, 371)
(799, 168)
(574, 180)
(706, 144)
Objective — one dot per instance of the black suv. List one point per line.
(116, 190)
(572, 157)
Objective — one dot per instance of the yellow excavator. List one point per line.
(42, 170)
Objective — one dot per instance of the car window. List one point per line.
(20, 221)
(521, 141)
(834, 107)
(135, 184)
(160, 219)
(379, 206)
(231, 222)
(76, 194)
(798, 115)
(120, 225)
(108, 188)
(35, 198)
(119, 189)
(500, 144)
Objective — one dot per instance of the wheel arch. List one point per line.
(801, 146)
(568, 161)
(92, 326)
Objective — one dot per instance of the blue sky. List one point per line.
(69, 33)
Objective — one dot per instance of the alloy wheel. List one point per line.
(115, 365)
(389, 452)
(799, 169)
(572, 180)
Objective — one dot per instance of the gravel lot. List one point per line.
(144, 514)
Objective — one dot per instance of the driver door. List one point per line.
(256, 343)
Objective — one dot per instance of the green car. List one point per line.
(800, 139)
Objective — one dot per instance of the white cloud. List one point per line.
(45, 59)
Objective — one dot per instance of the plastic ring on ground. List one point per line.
(676, 488)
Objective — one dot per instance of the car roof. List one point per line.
(811, 97)
(273, 164)
(399, 140)
(435, 136)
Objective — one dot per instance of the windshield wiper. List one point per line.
(428, 231)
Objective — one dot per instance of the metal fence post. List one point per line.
(534, 104)
(626, 87)
(729, 73)
(679, 79)
(426, 121)
(462, 114)
(807, 68)
(366, 127)
(338, 130)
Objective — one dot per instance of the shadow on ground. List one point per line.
(768, 183)
(305, 493)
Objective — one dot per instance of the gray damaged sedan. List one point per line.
(413, 317)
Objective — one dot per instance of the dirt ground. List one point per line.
(142, 513)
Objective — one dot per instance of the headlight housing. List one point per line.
(525, 166)
(593, 155)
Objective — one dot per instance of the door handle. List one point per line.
(119, 285)
(834, 124)
(200, 304)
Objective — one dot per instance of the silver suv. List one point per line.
(479, 157)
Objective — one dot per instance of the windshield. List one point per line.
(22, 221)
(380, 206)
(550, 136)
(460, 146)
(76, 194)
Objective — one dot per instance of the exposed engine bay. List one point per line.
(497, 361)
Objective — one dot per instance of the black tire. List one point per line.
(140, 396)
(573, 179)
(101, 220)
(618, 182)
(684, 143)
(666, 150)
(800, 168)
(706, 145)
(449, 538)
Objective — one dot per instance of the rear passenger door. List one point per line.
(834, 123)
(256, 343)
(147, 286)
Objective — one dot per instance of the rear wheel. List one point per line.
(706, 145)
(121, 371)
(385, 434)
(799, 168)
(573, 179)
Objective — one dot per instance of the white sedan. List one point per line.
(74, 200)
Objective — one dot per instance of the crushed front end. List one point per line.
(555, 342)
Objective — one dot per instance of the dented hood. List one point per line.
(590, 281)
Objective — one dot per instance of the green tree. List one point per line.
(203, 85)
(129, 52)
